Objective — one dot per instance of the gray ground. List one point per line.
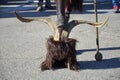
(22, 45)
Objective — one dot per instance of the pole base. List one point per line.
(98, 56)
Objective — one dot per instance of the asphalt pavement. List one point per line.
(23, 45)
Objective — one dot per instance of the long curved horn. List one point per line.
(49, 21)
(74, 23)
(95, 24)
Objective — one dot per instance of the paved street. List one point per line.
(23, 45)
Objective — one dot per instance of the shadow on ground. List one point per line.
(101, 49)
(104, 64)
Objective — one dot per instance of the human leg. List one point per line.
(48, 4)
(61, 18)
(115, 2)
(40, 7)
(116, 5)
(60, 11)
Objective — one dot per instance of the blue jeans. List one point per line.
(115, 2)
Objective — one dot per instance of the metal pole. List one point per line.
(98, 55)
(97, 31)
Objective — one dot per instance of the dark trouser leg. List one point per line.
(61, 18)
(60, 11)
(48, 4)
(40, 3)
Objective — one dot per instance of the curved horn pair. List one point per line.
(67, 29)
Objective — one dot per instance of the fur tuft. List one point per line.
(60, 52)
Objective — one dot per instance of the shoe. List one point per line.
(116, 8)
(39, 8)
(49, 6)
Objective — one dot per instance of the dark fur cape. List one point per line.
(60, 52)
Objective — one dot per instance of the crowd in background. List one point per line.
(115, 3)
